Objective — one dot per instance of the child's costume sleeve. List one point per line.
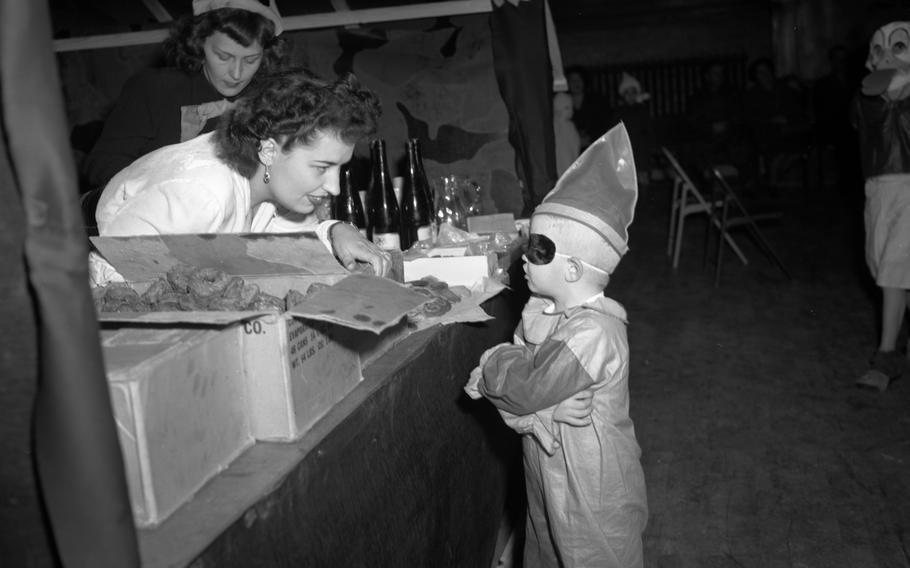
(522, 380)
(540, 425)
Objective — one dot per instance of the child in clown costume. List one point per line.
(563, 382)
(881, 115)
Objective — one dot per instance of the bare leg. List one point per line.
(894, 304)
(887, 363)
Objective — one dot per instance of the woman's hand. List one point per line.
(575, 410)
(350, 247)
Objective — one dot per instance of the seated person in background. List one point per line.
(563, 384)
(778, 121)
(283, 145)
(565, 136)
(215, 54)
(591, 111)
(719, 135)
(635, 112)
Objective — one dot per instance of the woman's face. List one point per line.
(229, 66)
(306, 175)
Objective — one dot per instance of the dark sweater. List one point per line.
(884, 134)
(146, 117)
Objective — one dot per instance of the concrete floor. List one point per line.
(758, 449)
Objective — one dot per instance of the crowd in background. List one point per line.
(769, 129)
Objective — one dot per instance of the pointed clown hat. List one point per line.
(598, 191)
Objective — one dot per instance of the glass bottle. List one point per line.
(415, 200)
(347, 206)
(383, 219)
(431, 199)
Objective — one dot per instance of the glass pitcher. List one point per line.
(470, 194)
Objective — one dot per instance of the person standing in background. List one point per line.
(880, 113)
(214, 54)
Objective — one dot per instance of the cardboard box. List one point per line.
(296, 364)
(371, 346)
(298, 368)
(495, 223)
(296, 371)
(179, 400)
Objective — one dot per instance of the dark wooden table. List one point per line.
(405, 471)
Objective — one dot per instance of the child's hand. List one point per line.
(472, 388)
(576, 410)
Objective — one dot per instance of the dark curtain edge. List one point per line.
(77, 452)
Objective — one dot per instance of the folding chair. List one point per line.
(688, 200)
(733, 213)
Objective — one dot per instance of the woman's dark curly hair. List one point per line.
(294, 107)
(184, 45)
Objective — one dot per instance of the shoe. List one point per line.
(885, 366)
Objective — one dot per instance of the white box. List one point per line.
(453, 270)
(179, 402)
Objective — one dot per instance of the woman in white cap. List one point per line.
(214, 54)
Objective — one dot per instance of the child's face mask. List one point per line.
(540, 249)
(890, 47)
(889, 61)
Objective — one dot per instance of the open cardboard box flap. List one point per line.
(275, 262)
(145, 258)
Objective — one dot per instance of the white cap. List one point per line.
(269, 12)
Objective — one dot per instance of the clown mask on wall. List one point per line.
(889, 61)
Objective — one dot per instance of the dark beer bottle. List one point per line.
(347, 205)
(383, 220)
(415, 200)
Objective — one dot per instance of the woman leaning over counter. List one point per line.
(214, 55)
(281, 146)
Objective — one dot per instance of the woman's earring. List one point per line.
(267, 176)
